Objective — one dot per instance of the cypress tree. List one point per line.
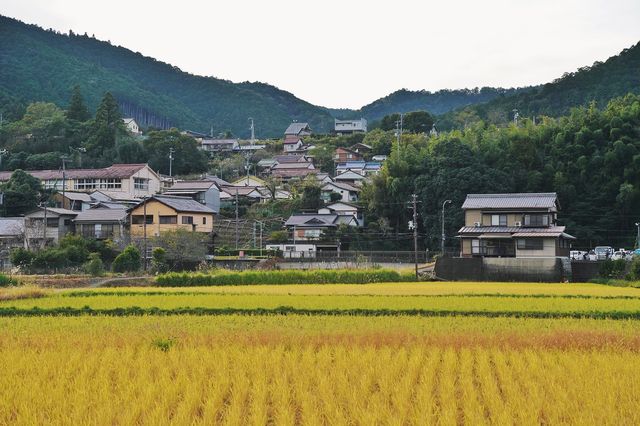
(77, 109)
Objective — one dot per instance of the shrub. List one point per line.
(128, 260)
(94, 266)
(634, 271)
(613, 268)
(5, 281)
(282, 277)
(159, 260)
(21, 257)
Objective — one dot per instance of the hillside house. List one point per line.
(206, 192)
(219, 145)
(132, 126)
(513, 225)
(298, 129)
(348, 193)
(346, 127)
(12, 236)
(102, 224)
(72, 200)
(343, 208)
(129, 181)
(169, 213)
(342, 155)
(292, 143)
(46, 226)
(350, 177)
(289, 171)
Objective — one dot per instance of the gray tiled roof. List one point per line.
(312, 220)
(295, 128)
(11, 226)
(182, 204)
(101, 215)
(546, 200)
(518, 230)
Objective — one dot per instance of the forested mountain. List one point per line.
(436, 103)
(39, 65)
(600, 82)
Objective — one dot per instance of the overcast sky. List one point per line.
(347, 53)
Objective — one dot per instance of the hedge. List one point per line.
(187, 279)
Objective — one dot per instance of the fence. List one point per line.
(357, 256)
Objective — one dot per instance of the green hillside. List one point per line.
(39, 65)
(436, 103)
(600, 82)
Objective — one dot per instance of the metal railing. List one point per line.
(357, 256)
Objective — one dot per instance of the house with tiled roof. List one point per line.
(513, 225)
(161, 213)
(131, 181)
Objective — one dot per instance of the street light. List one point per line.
(443, 235)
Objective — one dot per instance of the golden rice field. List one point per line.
(323, 369)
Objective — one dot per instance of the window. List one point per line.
(168, 220)
(204, 220)
(139, 219)
(52, 222)
(312, 233)
(85, 184)
(498, 220)
(187, 220)
(141, 184)
(536, 220)
(475, 246)
(531, 244)
(88, 230)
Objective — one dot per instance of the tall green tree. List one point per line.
(77, 109)
(188, 158)
(105, 129)
(22, 193)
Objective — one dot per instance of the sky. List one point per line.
(348, 53)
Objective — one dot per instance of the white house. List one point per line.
(292, 143)
(343, 127)
(345, 209)
(348, 192)
(132, 126)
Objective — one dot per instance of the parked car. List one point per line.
(592, 256)
(603, 252)
(620, 254)
(577, 255)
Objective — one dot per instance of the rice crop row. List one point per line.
(130, 371)
(317, 276)
(334, 303)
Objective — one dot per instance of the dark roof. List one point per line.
(219, 141)
(117, 171)
(313, 220)
(51, 211)
(546, 200)
(518, 231)
(281, 166)
(342, 185)
(11, 226)
(180, 204)
(101, 215)
(188, 185)
(296, 128)
(290, 159)
(292, 139)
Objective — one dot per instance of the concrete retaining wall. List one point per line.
(500, 269)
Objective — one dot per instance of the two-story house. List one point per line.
(342, 155)
(169, 213)
(206, 192)
(102, 223)
(45, 226)
(345, 127)
(513, 225)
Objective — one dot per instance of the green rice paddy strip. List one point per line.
(287, 310)
(471, 295)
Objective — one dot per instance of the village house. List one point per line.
(342, 155)
(206, 192)
(219, 145)
(348, 193)
(46, 226)
(345, 127)
(127, 180)
(350, 177)
(343, 208)
(103, 224)
(298, 129)
(132, 126)
(72, 200)
(248, 180)
(12, 234)
(513, 225)
(289, 171)
(362, 167)
(292, 143)
(169, 213)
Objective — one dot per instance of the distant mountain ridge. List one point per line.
(41, 65)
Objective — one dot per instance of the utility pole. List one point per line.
(44, 241)
(144, 227)
(443, 235)
(3, 152)
(399, 131)
(414, 202)
(237, 235)
(638, 236)
(171, 151)
(64, 177)
(253, 133)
